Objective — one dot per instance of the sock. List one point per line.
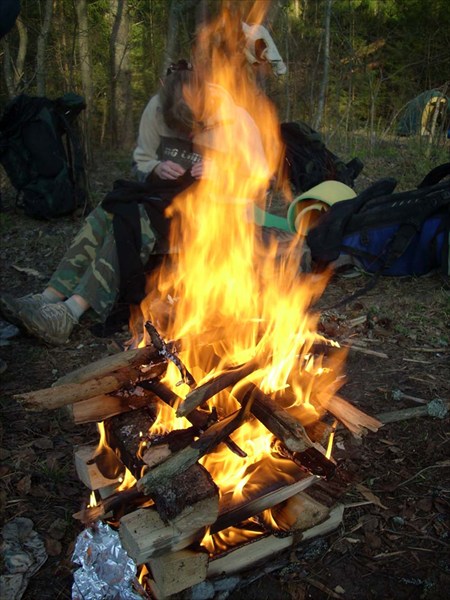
(51, 296)
(75, 308)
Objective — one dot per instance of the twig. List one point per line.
(406, 413)
(445, 463)
(354, 348)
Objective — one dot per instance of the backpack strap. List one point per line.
(435, 175)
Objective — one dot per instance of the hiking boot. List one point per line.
(10, 308)
(51, 323)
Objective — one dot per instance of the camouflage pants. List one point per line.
(90, 267)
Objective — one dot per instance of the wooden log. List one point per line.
(110, 364)
(213, 386)
(177, 463)
(300, 512)
(144, 534)
(354, 419)
(160, 449)
(278, 421)
(89, 474)
(267, 546)
(104, 406)
(177, 571)
(126, 432)
(187, 489)
(68, 393)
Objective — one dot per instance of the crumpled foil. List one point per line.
(23, 553)
(106, 572)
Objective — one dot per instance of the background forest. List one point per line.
(353, 65)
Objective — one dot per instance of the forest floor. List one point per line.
(394, 540)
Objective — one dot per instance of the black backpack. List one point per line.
(42, 155)
(308, 161)
(397, 234)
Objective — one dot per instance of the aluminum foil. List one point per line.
(105, 570)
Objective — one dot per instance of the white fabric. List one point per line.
(270, 54)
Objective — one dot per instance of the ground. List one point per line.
(394, 541)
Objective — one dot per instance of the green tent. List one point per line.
(420, 114)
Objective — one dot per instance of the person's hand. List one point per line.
(169, 170)
(200, 169)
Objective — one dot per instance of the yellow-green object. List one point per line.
(306, 207)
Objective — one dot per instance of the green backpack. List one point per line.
(42, 155)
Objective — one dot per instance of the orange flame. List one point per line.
(224, 278)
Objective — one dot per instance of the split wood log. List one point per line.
(69, 393)
(162, 447)
(232, 512)
(213, 386)
(177, 571)
(265, 546)
(354, 419)
(87, 471)
(109, 364)
(177, 463)
(105, 406)
(300, 512)
(144, 534)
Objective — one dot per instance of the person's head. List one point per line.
(180, 83)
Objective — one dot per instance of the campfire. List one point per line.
(222, 412)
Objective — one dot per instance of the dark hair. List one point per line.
(177, 113)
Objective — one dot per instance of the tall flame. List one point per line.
(224, 278)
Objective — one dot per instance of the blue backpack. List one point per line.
(405, 233)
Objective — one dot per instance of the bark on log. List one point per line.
(109, 364)
(278, 421)
(69, 393)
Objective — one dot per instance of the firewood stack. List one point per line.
(173, 518)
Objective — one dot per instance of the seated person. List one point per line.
(130, 224)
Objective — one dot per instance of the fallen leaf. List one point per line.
(24, 485)
(370, 496)
(43, 443)
(53, 547)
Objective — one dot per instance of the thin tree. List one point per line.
(121, 116)
(326, 66)
(41, 67)
(84, 53)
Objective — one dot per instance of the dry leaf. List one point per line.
(370, 496)
(24, 485)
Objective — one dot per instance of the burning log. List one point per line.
(161, 449)
(216, 384)
(200, 419)
(278, 421)
(267, 545)
(177, 463)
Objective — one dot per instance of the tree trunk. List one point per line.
(13, 71)
(121, 115)
(41, 70)
(86, 74)
(326, 66)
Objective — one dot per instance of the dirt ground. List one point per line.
(394, 540)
